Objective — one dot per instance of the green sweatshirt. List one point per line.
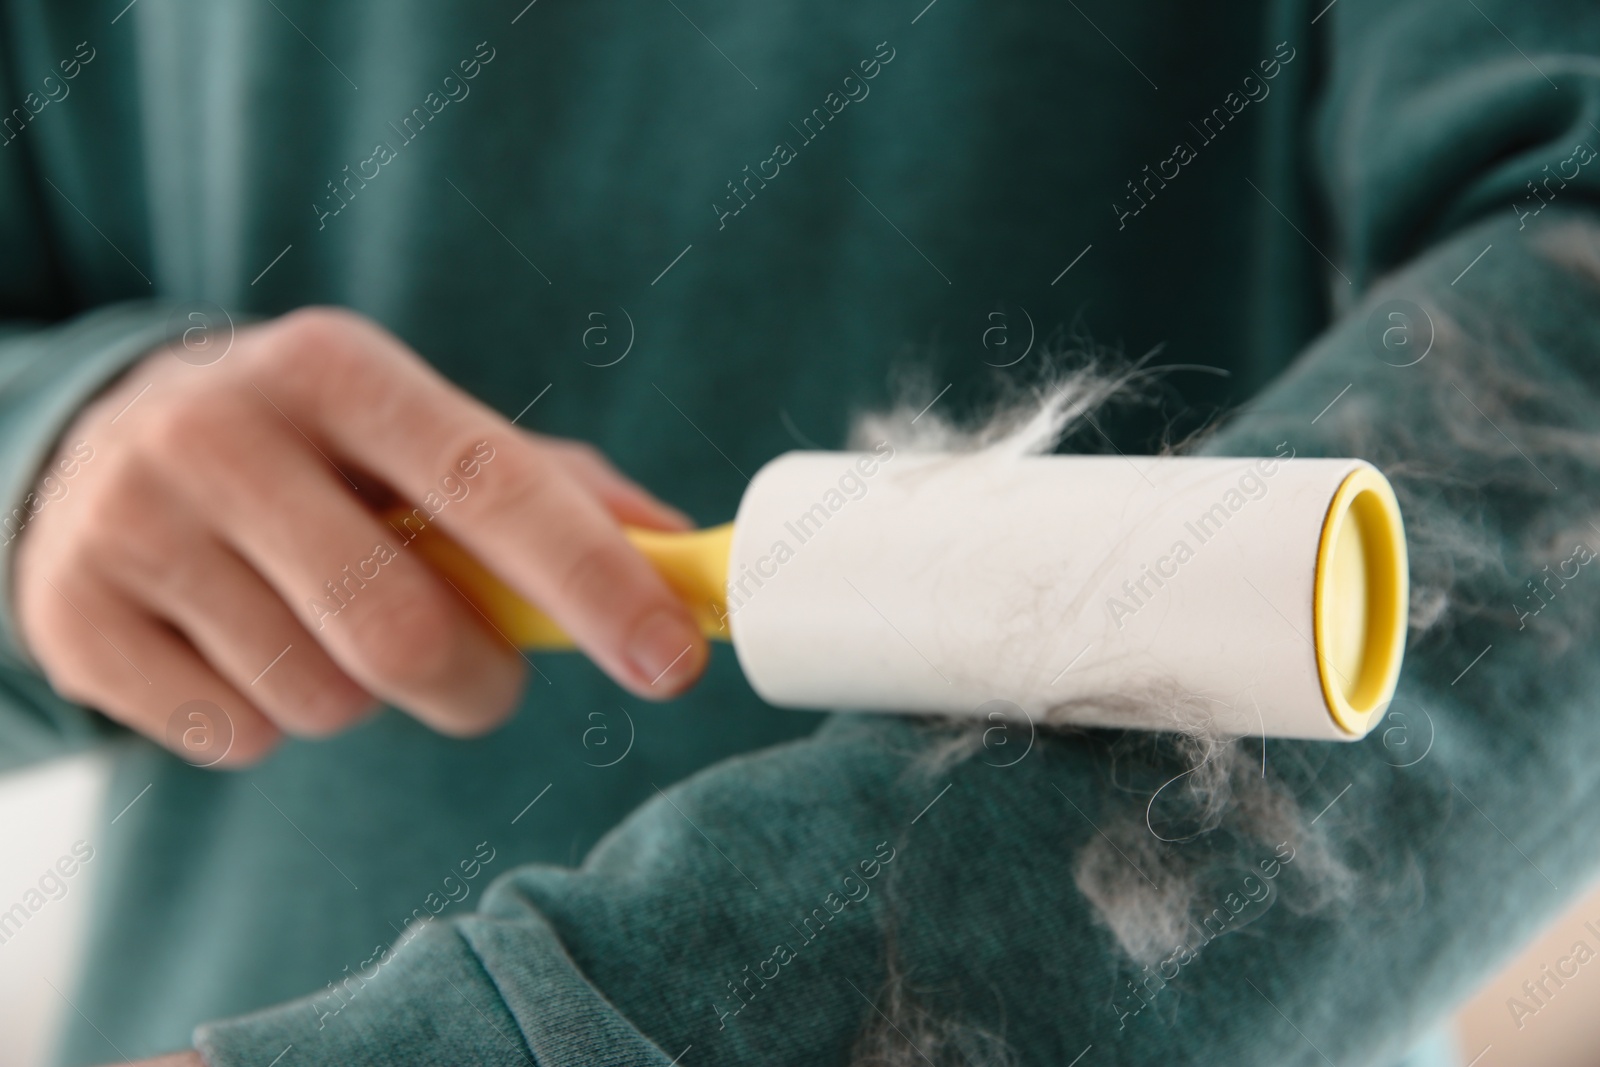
(698, 235)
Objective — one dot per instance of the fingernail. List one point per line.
(662, 649)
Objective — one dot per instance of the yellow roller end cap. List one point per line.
(1361, 600)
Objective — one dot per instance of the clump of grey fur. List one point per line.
(921, 1038)
(1030, 420)
(902, 1032)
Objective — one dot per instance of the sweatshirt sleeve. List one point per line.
(58, 348)
(47, 373)
(877, 894)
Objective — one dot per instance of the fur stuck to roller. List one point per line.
(1146, 874)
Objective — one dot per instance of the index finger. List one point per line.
(506, 498)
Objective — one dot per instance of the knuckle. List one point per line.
(312, 341)
(120, 552)
(118, 467)
(318, 357)
(601, 574)
(190, 430)
(317, 325)
(523, 483)
(114, 526)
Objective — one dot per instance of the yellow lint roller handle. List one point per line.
(694, 564)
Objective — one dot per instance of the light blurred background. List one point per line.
(44, 810)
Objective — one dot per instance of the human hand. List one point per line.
(207, 519)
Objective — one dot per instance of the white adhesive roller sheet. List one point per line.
(1268, 594)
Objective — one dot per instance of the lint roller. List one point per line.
(1267, 595)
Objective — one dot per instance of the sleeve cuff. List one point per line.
(46, 377)
(423, 1002)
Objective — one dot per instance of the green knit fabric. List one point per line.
(773, 209)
